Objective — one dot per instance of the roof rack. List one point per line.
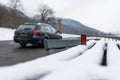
(42, 23)
(29, 23)
(36, 23)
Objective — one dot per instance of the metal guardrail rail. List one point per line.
(52, 44)
(59, 45)
(105, 36)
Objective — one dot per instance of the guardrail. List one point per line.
(105, 36)
(59, 45)
(53, 46)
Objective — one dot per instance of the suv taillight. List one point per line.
(36, 32)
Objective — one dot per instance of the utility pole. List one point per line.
(59, 25)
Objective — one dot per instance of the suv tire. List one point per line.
(23, 44)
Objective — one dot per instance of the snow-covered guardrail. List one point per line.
(72, 52)
(98, 37)
(81, 67)
(87, 66)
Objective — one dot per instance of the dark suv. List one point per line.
(35, 33)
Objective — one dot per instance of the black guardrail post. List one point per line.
(104, 59)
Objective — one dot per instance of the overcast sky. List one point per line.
(100, 14)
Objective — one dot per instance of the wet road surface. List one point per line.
(11, 53)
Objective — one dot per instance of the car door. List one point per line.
(50, 33)
(57, 35)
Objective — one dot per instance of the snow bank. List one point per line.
(6, 34)
(70, 36)
(114, 54)
(83, 67)
(72, 52)
(113, 59)
(86, 66)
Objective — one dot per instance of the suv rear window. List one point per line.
(26, 27)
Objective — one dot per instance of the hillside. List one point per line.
(75, 27)
(68, 25)
(8, 18)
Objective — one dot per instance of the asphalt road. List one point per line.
(11, 53)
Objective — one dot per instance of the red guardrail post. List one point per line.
(83, 39)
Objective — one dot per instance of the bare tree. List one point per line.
(15, 6)
(45, 13)
(1, 14)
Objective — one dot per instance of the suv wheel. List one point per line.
(60, 38)
(23, 44)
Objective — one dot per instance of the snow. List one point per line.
(81, 66)
(6, 34)
(70, 36)
(82, 62)
(113, 61)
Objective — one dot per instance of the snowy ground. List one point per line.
(6, 34)
(77, 63)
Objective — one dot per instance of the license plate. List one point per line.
(23, 35)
